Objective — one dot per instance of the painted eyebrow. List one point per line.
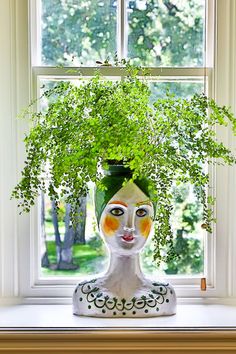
(145, 202)
(119, 202)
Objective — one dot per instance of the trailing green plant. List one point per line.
(99, 120)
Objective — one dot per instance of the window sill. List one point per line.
(60, 317)
(53, 328)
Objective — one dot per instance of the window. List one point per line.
(122, 22)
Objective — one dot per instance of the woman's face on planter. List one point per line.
(127, 219)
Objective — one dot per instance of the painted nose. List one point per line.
(129, 227)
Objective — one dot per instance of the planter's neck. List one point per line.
(125, 264)
(124, 275)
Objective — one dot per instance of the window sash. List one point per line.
(117, 71)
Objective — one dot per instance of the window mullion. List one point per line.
(121, 29)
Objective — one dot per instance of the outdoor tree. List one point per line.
(72, 235)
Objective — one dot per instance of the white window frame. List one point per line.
(19, 241)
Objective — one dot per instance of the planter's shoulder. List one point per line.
(91, 298)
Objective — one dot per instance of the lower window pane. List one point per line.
(66, 252)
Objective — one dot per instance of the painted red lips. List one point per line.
(128, 237)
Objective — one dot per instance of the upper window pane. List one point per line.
(77, 32)
(166, 32)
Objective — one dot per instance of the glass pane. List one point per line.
(184, 89)
(166, 32)
(77, 32)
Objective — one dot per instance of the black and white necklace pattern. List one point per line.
(91, 295)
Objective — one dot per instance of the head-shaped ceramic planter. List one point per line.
(125, 216)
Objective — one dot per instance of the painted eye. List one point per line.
(141, 212)
(117, 211)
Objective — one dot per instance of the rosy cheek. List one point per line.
(110, 225)
(145, 226)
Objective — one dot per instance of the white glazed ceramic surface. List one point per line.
(126, 223)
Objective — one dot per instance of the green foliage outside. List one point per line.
(75, 32)
(166, 33)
